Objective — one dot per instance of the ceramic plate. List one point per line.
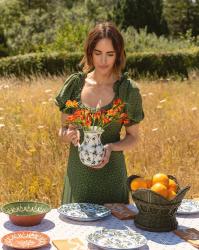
(116, 239)
(84, 211)
(25, 240)
(188, 207)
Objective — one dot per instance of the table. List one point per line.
(58, 227)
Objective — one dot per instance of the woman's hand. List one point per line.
(105, 160)
(70, 134)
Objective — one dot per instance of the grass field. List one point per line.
(33, 160)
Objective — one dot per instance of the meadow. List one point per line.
(33, 160)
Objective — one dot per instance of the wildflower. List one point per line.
(117, 102)
(97, 115)
(40, 126)
(48, 90)
(123, 116)
(71, 104)
(111, 112)
(163, 100)
(194, 108)
(106, 120)
(154, 129)
(86, 118)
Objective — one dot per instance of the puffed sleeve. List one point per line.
(133, 102)
(68, 92)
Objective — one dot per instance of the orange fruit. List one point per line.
(160, 189)
(148, 182)
(172, 185)
(160, 178)
(138, 183)
(171, 194)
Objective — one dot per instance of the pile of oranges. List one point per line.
(159, 183)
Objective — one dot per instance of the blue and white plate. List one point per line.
(84, 211)
(188, 207)
(112, 239)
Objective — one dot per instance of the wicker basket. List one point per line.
(156, 213)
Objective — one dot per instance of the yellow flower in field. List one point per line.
(154, 129)
(194, 108)
(48, 90)
(163, 100)
(40, 126)
(71, 104)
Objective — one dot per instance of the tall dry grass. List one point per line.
(33, 160)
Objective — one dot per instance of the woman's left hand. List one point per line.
(105, 160)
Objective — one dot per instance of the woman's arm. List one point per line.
(69, 133)
(128, 141)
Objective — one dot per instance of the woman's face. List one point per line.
(104, 56)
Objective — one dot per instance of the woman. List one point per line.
(100, 83)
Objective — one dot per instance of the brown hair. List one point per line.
(100, 31)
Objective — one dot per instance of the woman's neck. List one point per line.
(105, 79)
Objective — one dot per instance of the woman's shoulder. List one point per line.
(128, 83)
(75, 76)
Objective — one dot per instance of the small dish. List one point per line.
(26, 213)
(116, 239)
(25, 240)
(84, 211)
(188, 206)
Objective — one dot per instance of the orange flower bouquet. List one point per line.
(91, 151)
(87, 119)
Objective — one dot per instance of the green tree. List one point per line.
(182, 16)
(176, 13)
(3, 44)
(193, 17)
(140, 14)
(99, 10)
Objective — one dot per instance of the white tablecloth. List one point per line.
(57, 227)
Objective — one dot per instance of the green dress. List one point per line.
(109, 184)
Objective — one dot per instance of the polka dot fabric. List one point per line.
(109, 184)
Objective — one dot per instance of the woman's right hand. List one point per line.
(70, 134)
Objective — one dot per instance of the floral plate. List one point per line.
(188, 207)
(84, 211)
(25, 240)
(116, 239)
